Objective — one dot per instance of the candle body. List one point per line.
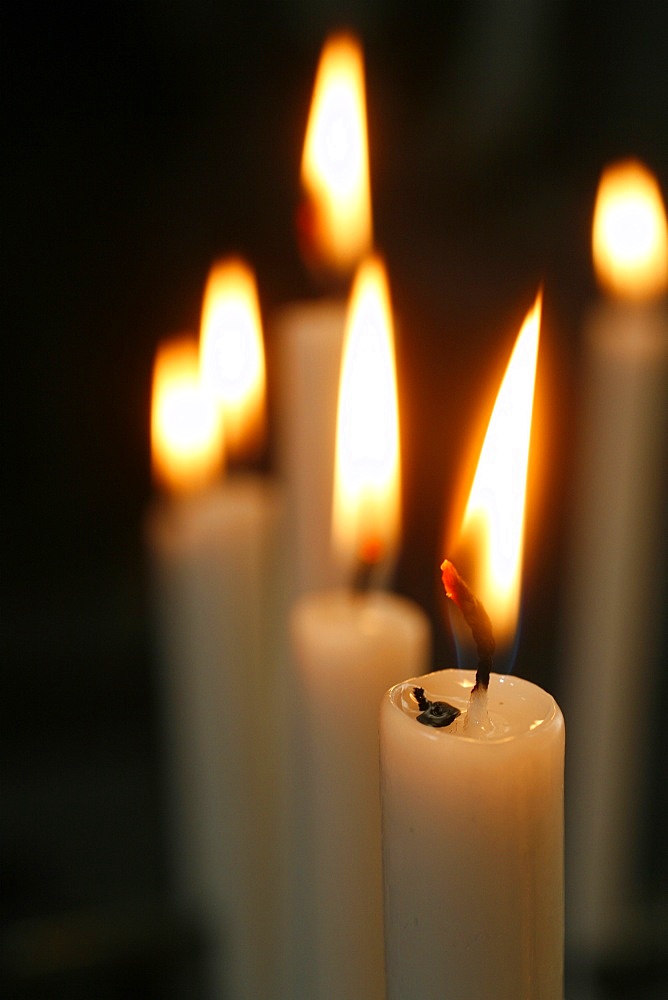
(310, 341)
(213, 567)
(611, 638)
(348, 649)
(473, 845)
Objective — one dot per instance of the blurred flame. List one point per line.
(367, 502)
(629, 238)
(335, 160)
(186, 426)
(492, 529)
(232, 353)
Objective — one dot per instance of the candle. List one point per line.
(336, 231)
(349, 647)
(611, 638)
(212, 559)
(473, 839)
(472, 774)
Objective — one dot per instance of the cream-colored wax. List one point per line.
(473, 844)
(613, 622)
(214, 588)
(348, 649)
(309, 344)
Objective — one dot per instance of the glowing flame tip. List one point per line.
(629, 234)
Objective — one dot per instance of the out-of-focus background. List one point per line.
(143, 139)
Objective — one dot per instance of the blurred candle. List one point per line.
(610, 653)
(349, 646)
(473, 811)
(211, 545)
(335, 232)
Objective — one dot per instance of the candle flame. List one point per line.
(335, 159)
(629, 237)
(492, 529)
(186, 426)
(367, 503)
(232, 353)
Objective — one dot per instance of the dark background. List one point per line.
(140, 141)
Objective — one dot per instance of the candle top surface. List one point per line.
(517, 708)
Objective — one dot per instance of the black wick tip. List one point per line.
(437, 714)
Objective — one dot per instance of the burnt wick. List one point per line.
(476, 618)
(362, 577)
(368, 559)
(437, 714)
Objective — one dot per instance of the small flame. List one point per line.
(232, 353)
(335, 160)
(186, 426)
(629, 238)
(367, 502)
(492, 530)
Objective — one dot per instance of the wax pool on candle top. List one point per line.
(473, 843)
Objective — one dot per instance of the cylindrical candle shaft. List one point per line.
(348, 648)
(212, 560)
(473, 844)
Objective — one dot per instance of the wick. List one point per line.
(369, 557)
(361, 582)
(476, 618)
(438, 714)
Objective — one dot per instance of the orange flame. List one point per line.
(335, 159)
(232, 353)
(186, 427)
(629, 237)
(367, 503)
(492, 529)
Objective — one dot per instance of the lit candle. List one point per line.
(349, 646)
(337, 233)
(614, 614)
(473, 797)
(212, 558)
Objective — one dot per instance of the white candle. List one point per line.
(214, 568)
(212, 560)
(473, 811)
(348, 646)
(473, 844)
(336, 231)
(610, 653)
(310, 336)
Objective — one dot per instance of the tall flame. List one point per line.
(629, 236)
(492, 530)
(335, 159)
(232, 353)
(186, 426)
(367, 502)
